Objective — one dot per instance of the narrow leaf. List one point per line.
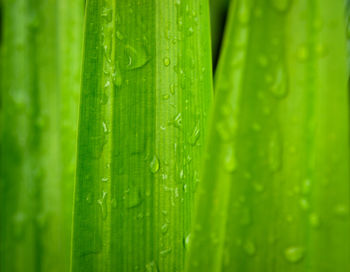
(36, 187)
(275, 188)
(146, 90)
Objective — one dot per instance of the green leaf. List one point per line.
(40, 88)
(146, 90)
(275, 189)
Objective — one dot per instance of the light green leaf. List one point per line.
(275, 189)
(146, 90)
(40, 88)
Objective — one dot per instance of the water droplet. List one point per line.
(258, 187)
(107, 84)
(281, 5)
(151, 267)
(119, 35)
(179, 22)
(306, 186)
(230, 162)
(132, 197)
(279, 86)
(289, 219)
(177, 122)
(263, 61)
(103, 205)
(172, 88)
(165, 252)
(238, 58)
(105, 128)
(140, 216)
(164, 228)
(190, 31)
(341, 210)
(187, 240)
(89, 198)
(302, 53)
(256, 127)
(181, 174)
(166, 61)
(294, 254)
(320, 50)
(135, 57)
(195, 135)
(154, 165)
(107, 14)
(314, 220)
(243, 13)
(304, 204)
(249, 248)
(185, 188)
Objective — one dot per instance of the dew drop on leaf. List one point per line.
(89, 198)
(105, 128)
(306, 186)
(244, 13)
(103, 205)
(154, 165)
(166, 61)
(302, 53)
(294, 254)
(172, 88)
(341, 210)
(119, 35)
(135, 57)
(314, 220)
(105, 179)
(164, 228)
(165, 252)
(263, 61)
(279, 85)
(320, 50)
(230, 162)
(177, 121)
(258, 187)
(304, 204)
(132, 198)
(187, 240)
(249, 248)
(195, 135)
(107, 14)
(151, 267)
(281, 5)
